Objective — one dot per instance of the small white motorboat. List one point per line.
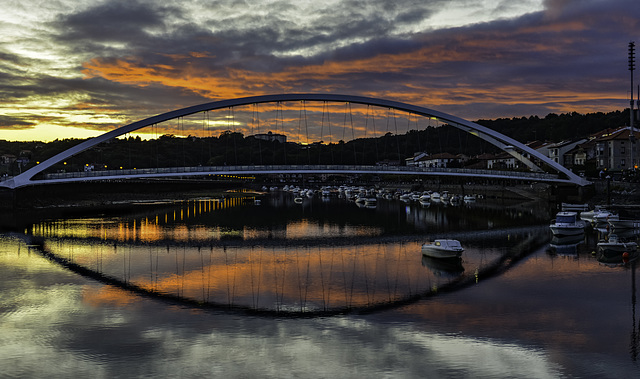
(567, 224)
(604, 217)
(442, 249)
(588, 216)
(615, 246)
(599, 215)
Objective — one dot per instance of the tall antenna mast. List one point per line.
(632, 67)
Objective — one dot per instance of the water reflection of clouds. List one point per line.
(47, 329)
(304, 278)
(51, 332)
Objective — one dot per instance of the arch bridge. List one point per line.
(540, 168)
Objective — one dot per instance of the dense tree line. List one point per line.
(556, 127)
(232, 148)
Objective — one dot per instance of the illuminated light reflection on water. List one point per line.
(538, 316)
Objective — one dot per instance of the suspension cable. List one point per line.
(306, 127)
(395, 123)
(321, 133)
(366, 126)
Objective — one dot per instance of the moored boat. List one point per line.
(567, 224)
(614, 246)
(604, 217)
(588, 216)
(442, 248)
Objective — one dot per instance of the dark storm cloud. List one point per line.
(240, 37)
(15, 122)
(115, 21)
(571, 40)
(142, 57)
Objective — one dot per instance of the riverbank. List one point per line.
(122, 194)
(97, 196)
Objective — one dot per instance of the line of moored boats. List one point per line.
(370, 196)
(573, 220)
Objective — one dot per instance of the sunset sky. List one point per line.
(73, 68)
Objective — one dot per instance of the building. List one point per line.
(440, 160)
(614, 150)
(417, 157)
(503, 161)
(271, 137)
(7, 159)
(558, 150)
(580, 154)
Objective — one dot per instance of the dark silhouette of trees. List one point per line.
(233, 148)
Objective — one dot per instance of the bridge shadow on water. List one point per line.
(525, 242)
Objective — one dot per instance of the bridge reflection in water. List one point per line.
(294, 271)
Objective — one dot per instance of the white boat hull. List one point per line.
(442, 249)
(612, 248)
(441, 253)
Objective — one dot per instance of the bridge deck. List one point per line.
(64, 177)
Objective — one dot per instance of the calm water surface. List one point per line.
(319, 289)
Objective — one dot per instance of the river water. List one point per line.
(317, 289)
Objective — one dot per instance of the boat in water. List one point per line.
(443, 248)
(615, 246)
(567, 224)
(600, 215)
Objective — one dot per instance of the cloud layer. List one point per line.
(99, 66)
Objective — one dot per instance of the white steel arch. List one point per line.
(508, 144)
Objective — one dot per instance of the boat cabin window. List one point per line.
(566, 219)
(437, 243)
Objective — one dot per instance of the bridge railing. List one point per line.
(271, 169)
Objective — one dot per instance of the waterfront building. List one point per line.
(614, 150)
